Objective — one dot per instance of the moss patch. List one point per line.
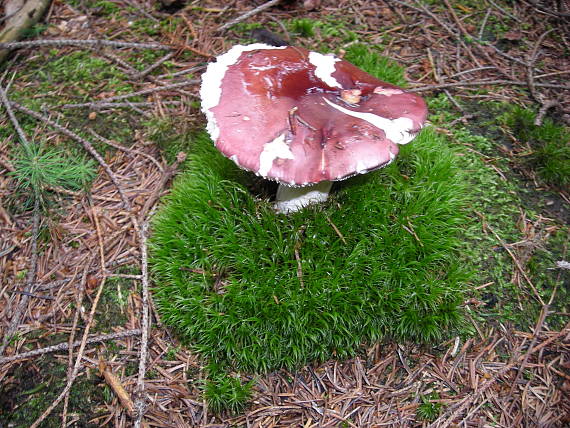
(31, 388)
(228, 269)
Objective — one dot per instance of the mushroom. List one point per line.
(304, 119)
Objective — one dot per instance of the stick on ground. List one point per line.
(249, 14)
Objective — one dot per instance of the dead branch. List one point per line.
(64, 346)
(15, 123)
(155, 65)
(134, 94)
(249, 14)
(139, 404)
(530, 66)
(60, 43)
(20, 20)
(100, 106)
(117, 386)
(547, 105)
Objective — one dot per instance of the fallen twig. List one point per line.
(64, 346)
(15, 123)
(95, 104)
(249, 14)
(139, 404)
(530, 67)
(153, 66)
(485, 82)
(182, 72)
(547, 105)
(116, 385)
(98, 105)
(81, 43)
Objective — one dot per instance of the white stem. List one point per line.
(291, 199)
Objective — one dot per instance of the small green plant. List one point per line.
(39, 167)
(225, 392)
(549, 143)
(305, 27)
(429, 410)
(328, 28)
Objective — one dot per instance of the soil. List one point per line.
(491, 373)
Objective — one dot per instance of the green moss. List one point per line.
(226, 392)
(226, 273)
(380, 67)
(304, 27)
(171, 136)
(496, 208)
(113, 307)
(549, 143)
(21, 403)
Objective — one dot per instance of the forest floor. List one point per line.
(73, 263)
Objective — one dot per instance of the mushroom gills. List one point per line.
(291, 199)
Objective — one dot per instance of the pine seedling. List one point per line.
(39, 168)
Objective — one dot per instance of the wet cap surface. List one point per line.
(301, 117)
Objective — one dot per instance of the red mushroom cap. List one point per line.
(301, 117)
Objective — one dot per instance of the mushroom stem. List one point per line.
(292, 199)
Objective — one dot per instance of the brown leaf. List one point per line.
(311, 4)
(92, 283)
(512, 35)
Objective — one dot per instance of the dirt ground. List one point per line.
(79, 275)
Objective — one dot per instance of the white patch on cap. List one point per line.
(387, 91)
(276, 149)
(211, 88)
(234, 158)
(325, 67)
(361, 167)
(396, 130)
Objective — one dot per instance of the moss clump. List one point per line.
(549, 144)
(256, 290)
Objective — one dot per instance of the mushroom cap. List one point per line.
(301, 117)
